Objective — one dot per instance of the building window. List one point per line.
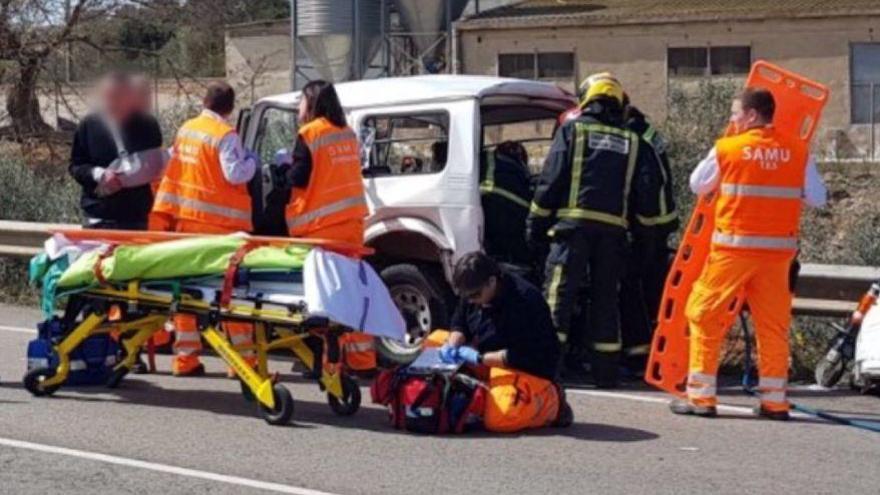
(865, 91)
(553, 66)
(709, 61)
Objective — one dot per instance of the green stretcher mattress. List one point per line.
(184, 258)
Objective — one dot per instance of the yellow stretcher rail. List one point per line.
(144, 313)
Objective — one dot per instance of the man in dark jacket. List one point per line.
(596, 175)
(105, 203)
(642, 287)
(504, 317)
(505, 194)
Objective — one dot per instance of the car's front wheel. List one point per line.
(419, 297)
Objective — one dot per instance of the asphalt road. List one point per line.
(159, 434)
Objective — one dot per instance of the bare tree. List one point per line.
(30, 32)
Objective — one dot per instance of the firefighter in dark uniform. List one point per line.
(596, 175)
(505, 195)
(642, 287)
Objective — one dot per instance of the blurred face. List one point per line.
(142, 98)
(116, 99)
(743, 120)
(484, 295)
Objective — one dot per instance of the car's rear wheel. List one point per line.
(418, 296)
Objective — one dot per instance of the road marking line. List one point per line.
(17, 329)
(162, 468)
(661, 400)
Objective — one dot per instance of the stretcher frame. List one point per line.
(274, 329)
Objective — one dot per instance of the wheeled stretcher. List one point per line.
(272, 300)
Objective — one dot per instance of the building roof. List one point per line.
(544, 13)
(429, 89)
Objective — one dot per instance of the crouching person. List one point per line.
(503, 323)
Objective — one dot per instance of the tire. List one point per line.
(829, 372)
(283, 410)
(116, 377)
(391, 353)
(419, 296)
(351, 398)
(33, 379)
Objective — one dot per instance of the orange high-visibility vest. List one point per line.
(761, 191)
(334, 201)
(194, 187)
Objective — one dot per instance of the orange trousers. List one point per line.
(515, 400)
(764, 277)
(188, 343)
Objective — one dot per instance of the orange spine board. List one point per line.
(799, 105)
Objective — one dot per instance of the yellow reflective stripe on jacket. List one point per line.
(488, 185)
(598, 216)
(537, 211)
(581, 131)
(607, 129)
(607, 346)
(658, 220)
(630, 170)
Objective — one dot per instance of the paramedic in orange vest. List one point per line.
(327, 199)
(762, 178)
(204, 191)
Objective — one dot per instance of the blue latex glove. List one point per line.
(449, 354)
(468, 355)
(252, 156)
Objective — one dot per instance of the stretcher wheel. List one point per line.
(33, 379)
(351, 398)
(116, 377)
(830, 371)
(283, 410)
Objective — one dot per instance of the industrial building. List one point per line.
(652, 46)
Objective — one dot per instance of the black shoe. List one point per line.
(565, 417)
(634, 368)
(606, 376)
(574, 372)
(140, 367)
(772, 415)
(685, 408)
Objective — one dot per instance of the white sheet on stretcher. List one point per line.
(350, 292)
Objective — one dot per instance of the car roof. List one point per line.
(428, 89)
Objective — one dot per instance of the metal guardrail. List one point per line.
(823, 290)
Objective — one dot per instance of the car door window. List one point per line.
(407, 144)
(277, 131)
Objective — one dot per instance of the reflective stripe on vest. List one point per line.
(762, 191)
(331, 138)
(754, 242)
(202, 137)
(658, 220)
(488, 185)
(573, 211)
(326, 210)
(202, 206)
